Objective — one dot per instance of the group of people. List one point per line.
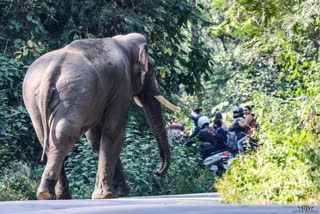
(214, 136)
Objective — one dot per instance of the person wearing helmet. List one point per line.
(239, 131)
(238, 113)
(204, 133)
(213, 138)
(235, 127)
(200, 123)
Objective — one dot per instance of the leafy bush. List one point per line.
(17, 138)
(140, 156)
(17, 182)
(81, 166)
(274, 64)
(286, 168)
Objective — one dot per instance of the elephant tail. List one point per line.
(49, 78)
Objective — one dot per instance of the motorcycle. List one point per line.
(219, 161)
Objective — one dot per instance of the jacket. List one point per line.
(237, 129)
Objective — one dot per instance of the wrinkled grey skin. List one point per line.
(86, 87)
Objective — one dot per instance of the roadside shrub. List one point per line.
(17, 138)
(17, 182)
(286, 168)
(141, 156)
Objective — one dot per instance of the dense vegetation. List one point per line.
(277, 69)
(32, 28)
(217, 55)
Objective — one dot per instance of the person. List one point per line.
(195, 115)
(175, 128)
(239, 131)
(218, 116)
(220, 134)
(249, 122)
(213, 138)
(238, 115)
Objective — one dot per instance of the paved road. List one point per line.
(208, 203)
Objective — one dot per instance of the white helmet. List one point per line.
(203, 120)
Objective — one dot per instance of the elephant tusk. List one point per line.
(137, 101)
(167, 104)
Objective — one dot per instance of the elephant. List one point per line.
(86, 88)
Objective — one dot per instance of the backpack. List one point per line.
(232, 142)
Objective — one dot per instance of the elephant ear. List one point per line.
(143, 61)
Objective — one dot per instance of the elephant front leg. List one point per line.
(120, 185)
(108, 156)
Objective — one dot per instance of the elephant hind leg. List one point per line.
(62, 187)
(93, 136)
(62, 139)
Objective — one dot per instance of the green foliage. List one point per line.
(270, 58)
(285, 169)
(140, 156)
(31, 28)
(266, 54)
(17, 182)
(81, 166)
(17, 179)
(271, 47)
(166, 24)
(22, 21)
(16, 143)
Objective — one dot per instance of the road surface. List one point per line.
(206, 203)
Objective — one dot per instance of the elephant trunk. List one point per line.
(152, 109)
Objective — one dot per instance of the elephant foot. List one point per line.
(122, 190)
(45, 195)
(62, 191)
(100, 194)
(46, 190)
(63, 196)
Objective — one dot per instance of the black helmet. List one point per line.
(237, 112)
